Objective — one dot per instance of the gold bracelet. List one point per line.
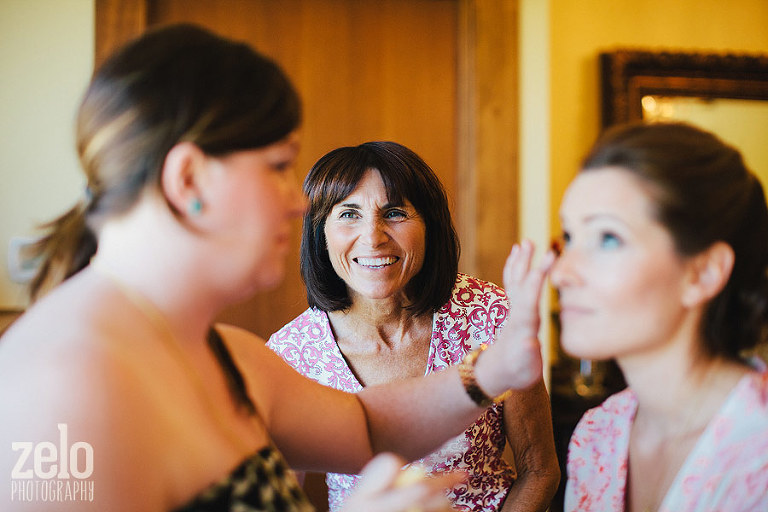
(467, 374)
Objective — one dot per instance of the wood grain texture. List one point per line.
(439, 76)
(117, 21)
(366, 70)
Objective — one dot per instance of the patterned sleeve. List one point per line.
(307, 344)
(470, 318)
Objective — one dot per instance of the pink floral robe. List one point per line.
(727, 470)
(476, 309)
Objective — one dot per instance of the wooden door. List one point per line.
(439, 76)
(366, 70)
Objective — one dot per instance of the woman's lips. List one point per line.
(376, 262)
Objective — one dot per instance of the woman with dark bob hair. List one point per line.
(379, 256)
(188, 143)
(665, 269)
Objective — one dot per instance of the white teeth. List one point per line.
(376, 262)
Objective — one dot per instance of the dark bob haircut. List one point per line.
(406, 177)
(702, 194)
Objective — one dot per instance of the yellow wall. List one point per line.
(580, 29)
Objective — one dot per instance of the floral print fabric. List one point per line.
(727, 470)
(470, 318)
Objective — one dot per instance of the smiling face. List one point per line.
(375, 247)
(619, 278)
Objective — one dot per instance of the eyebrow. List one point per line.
(597, 216)
(355, 205)
(600, 216)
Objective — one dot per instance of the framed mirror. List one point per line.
(723, 93)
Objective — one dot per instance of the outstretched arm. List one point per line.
(322, 429)
(439, 405)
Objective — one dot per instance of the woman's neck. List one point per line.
(381, 322)
(679, 388)
(154, 259)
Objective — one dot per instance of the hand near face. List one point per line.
(386, 488)
(523, 284)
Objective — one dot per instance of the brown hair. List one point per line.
(703, 194)
(405, 176)
(174, 84)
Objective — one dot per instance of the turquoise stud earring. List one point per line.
(195, 206)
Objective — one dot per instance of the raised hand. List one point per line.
(517, 346)
(523, 285)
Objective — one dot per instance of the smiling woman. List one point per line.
(380, 261)
(375, 247)
(665, 269)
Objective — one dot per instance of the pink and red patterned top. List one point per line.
(476, 309)
(727, 470)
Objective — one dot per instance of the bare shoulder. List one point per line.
(63, 388)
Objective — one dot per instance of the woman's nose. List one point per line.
(374, 232)
(302, 203)
(563, 271)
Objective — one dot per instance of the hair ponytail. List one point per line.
(172, 84)
(63, 251)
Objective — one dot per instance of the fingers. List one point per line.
(385, 488)
(380, 473)
(524, 283)
(517, 269)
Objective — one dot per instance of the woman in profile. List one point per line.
(664, 268)
(188, 142)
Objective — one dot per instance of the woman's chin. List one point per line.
(580, 348)
(260, 283)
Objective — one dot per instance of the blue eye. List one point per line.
(348, 214)
(395, 214)
(565, 239)
(610, 241)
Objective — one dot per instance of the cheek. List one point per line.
(332, 243)
(417, 248)
(626, 315)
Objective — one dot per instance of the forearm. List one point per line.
(532, 492)
(414, 417)
(528, 426)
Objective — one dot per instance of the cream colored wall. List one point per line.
(534, 158)
(46, 57)
(580, 29)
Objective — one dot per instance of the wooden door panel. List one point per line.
(381, 69)
(366, 70)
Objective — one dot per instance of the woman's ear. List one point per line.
(710, 271)
(180, 179)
